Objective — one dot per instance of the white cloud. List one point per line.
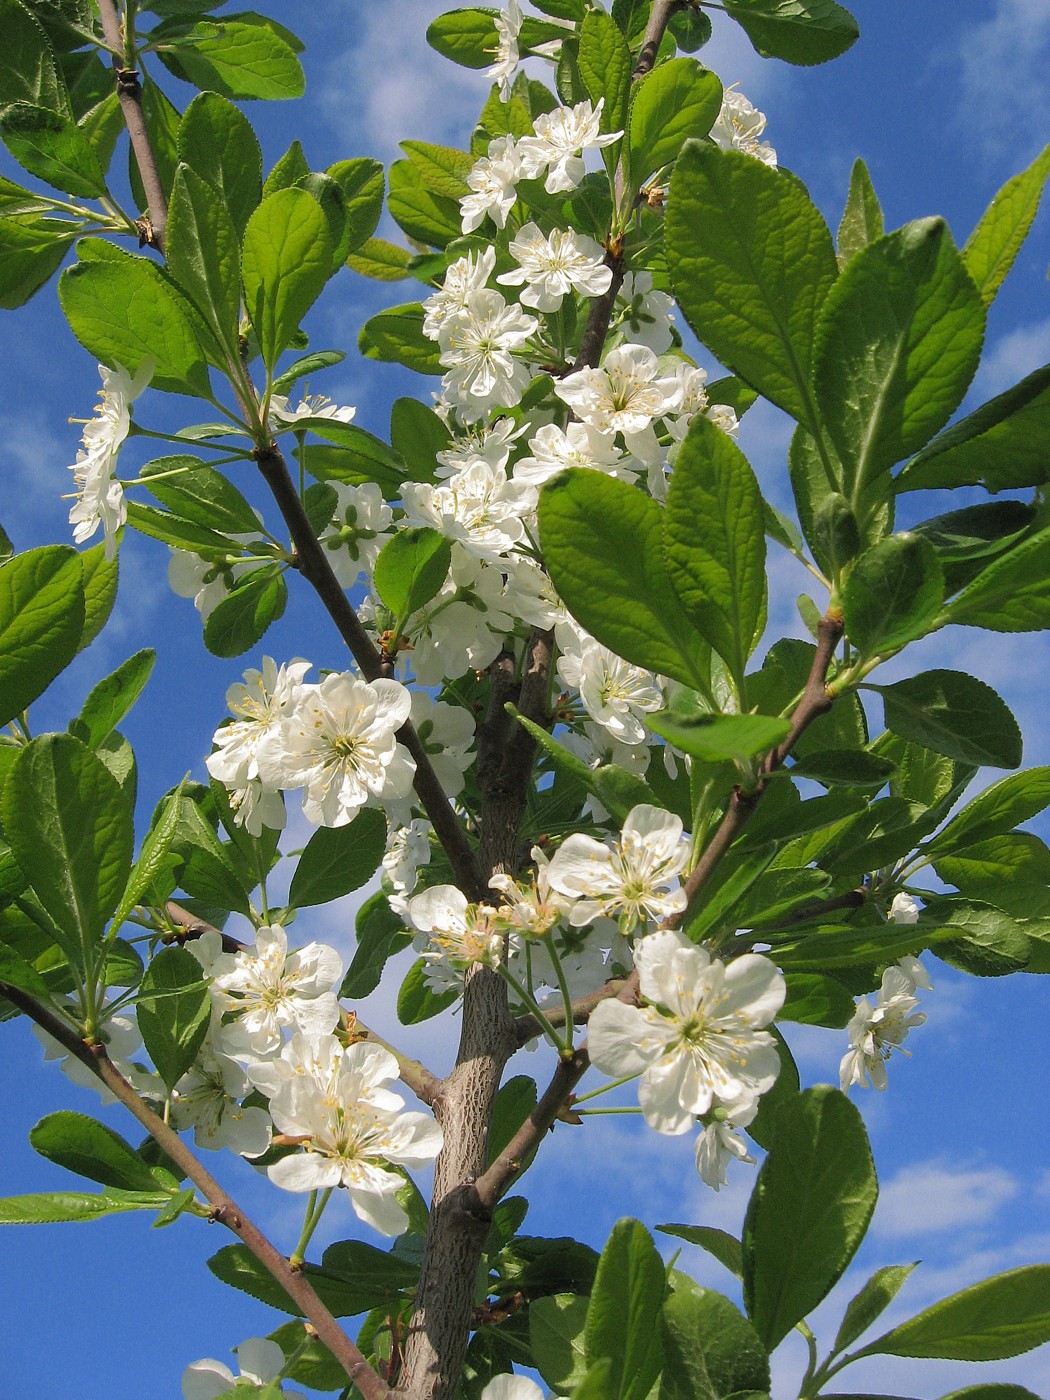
(1012, 357)
(932, 1197)
(1001, 64)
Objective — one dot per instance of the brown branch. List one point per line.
(223, 1207)
(314, 566)
(654, 35)
(129, 92)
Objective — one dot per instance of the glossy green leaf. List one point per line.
(361, 181)
(1012, 594)
(30, 251)
(710, 1350)
(595, 1384)
(417, 435)
(89, 1148)
(29, 70)
(953, 714)
(750, 261)
(467, 36)
(180, 533)
(1011, 869)
(285, 262)
(305, 365)
(724, 1247)
(893, 594)
(978, 938)
(1001, 807)
(992, 1392)
(208, 868)
(236, 1266)
(556, 1331)
(174, 1011)
(602, 545)
(431, 218)
(719, 737)
(999, 1317)
(218, 143)
(718, 905)
(239, 56)
(862, 217)
(381, 260)
(443, 169)
(70, 829)
(814, 999)
(677, 101)
(203, 254)
(100, 591)
(990, 250)
(690, 29)
(872, 1300)
(111, 699)
(380, 934)
(51, 1207)
(54, 148)
(831, 948)
(615, 788)
(897, 345)
(1000, 446)
(338, 859)
(154, 857)
(397, 335)
(808, 1212)
(623, 1317)
(123, 310)
(241, 619)
(604, 61)
(968, 540)
(844, 768)
(714, 543)
(194, 491)
(411, 569)
(797, 31)
(41, 619)
(417, 1001)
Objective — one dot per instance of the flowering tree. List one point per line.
(603, 826)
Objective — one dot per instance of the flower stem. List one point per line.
(604, 1088)
(315, 1207)
(562, 1047)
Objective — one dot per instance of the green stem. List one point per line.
(562, 1047)
(604, 1088)
(593, 1112)
(315, 1207)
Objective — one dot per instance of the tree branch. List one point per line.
(223, 1207)
(129, 92)
(659, 19)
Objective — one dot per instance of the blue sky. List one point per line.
(944, 101)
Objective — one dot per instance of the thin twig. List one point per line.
(223, 1207)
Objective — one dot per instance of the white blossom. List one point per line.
(552, 265)
(259, 1359)
(559, 136)
(454, 934)
(644, 315)
(719, 1143)
(446, 733)
(407, 848)
(477, 351)
(552, 449)
(283, 416)
(508, 27)
(491, 442)
(479, 507)
(208, 1099)
(206, 581)
(624, 396)
(464, 625)
(630, 878)
(700, 1042)
(876, 1031)
(738, 127)
(614, 693)
(359, 528)
(465, 277)
(903, 910)
(532, 907)
(100, 495)
(508, 1387)
(493, 182)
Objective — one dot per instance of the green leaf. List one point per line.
(30, 251)
(714, 543)
(595, 1384)
(384, 1275)
(616, 789)
(604, 61)
(411, 568)
(359, 457)
(54, 148)
(467, 37)
(236, 1266)
(338, 859)
(872, 1300)
(52, 1206)
(41, 619)
(862, 217)
(714, 738)
(431, 218)
(953, 714)
(207, 869)
(846, 947)
(380, 934)
(751, 262)
(362, 184)
(182, 534)
(623, 1317)
(817, 1000)
(992, 1392)
(999, 1317)
(29, 70)
(690, 29)
(710, 1350)
(396, 335)
(417, 435)
(893, 594)
(999, 808)
(798, 31)
(677, 101)
(239, 56)
(174, 1012)
(89, 1148)
(313, 363)
(1011, 870)
(897, 345)
(844, 768)
(191, 489)
(718, 907)
(989, 943)
(724, 1247)
(110, 700)
(808, 1212)
(285, 261)
(968, 540)
(443, 169)
(241, 619)
(1000, 446)
(123, 310)
(1012, 594)
(153, 859)
(70, 828)
(380, 260)
(556, 1332)
(602, 545)
(203, 253)
(218, 143)
(990, 250)
(417, 1001)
